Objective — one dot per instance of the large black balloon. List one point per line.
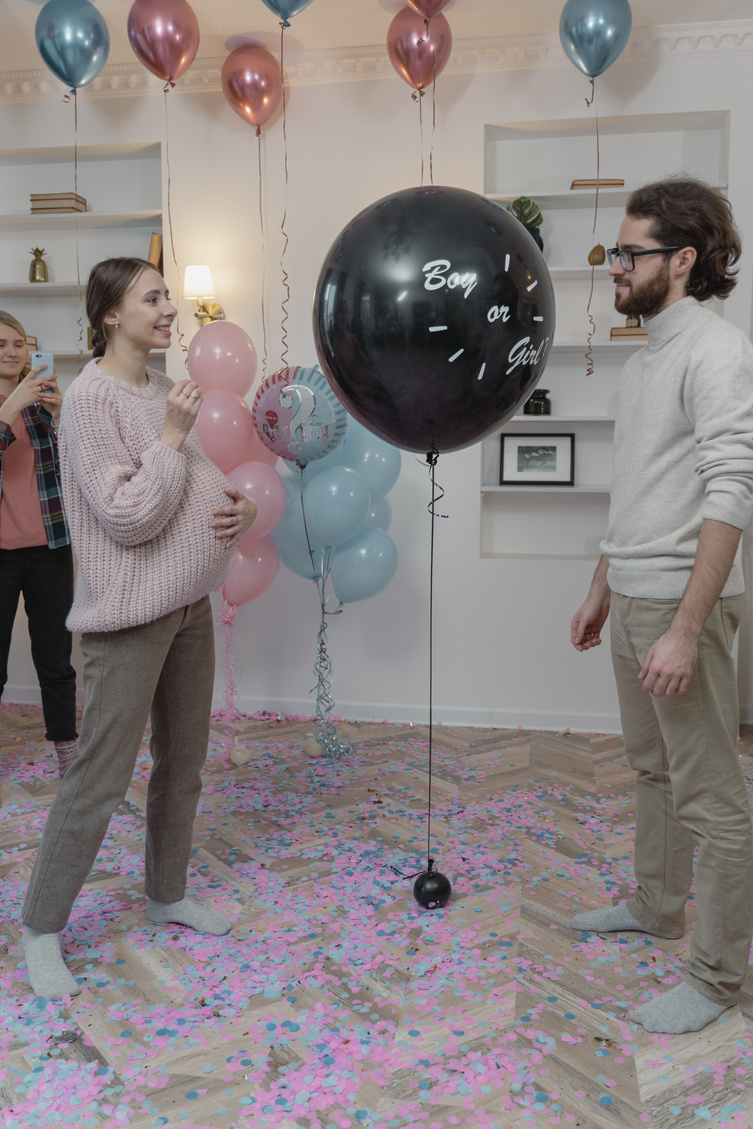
(433, 317)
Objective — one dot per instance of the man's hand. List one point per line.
(586, 625)
(670, 662)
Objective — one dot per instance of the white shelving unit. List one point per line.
(540, 160)
(122, 185)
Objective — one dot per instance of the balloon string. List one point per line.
(421, 130)
(170, 225)
(589, 352)
(433, 122)
(437, 493)
(227, 619)
(285, 279)
(80, 321)
(263, 260)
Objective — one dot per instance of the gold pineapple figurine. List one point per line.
(38, 269)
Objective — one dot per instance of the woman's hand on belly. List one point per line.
(231, 522)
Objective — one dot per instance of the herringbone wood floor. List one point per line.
(336, 1001)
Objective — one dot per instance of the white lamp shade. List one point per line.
(198, 283)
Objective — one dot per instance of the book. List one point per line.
(623, 331)
(155, 251)
(52, 197)
(56, 210)
(602, 182)
(43, 203)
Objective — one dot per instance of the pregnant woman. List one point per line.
(153, 523)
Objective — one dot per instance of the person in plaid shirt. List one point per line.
(35, 546)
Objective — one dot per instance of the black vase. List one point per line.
(538, 404)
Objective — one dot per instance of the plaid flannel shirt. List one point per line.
(41, 430)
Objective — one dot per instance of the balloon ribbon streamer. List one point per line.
(183, 346)
(589, 353)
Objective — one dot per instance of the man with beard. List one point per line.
(681, 494)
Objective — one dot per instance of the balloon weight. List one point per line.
(432, 890)
(433, 317)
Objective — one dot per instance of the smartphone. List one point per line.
(38, 359)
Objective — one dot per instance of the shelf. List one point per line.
(65, 221)
(543, 489)
(598, 346)
(38, 289)
(64, 154)
(560, 419)
(573, 198)
(571, 274)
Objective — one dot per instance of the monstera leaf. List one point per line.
(528, 213)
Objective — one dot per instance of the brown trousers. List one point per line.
(689, 792)
(165, 668)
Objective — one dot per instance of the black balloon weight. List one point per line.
(432, 889)
(433, 317)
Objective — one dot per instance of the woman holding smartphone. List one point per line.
(35, 545)
(153, 523)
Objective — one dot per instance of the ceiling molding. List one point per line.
(499, 53)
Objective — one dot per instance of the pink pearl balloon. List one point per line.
(225, 428)
(222, 356)
(263, 485)
(418, 51)
(252, 84)
(251, 572)
(164, 35)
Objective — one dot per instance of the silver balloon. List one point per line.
(594, 33)
(73, 40)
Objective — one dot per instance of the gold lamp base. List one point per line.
(209, 311)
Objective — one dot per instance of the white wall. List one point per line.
(502, 652)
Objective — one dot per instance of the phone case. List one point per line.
(43, 359)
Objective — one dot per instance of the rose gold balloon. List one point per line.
(427, 8)
(164, 35)
(252, 83)
(418, 50)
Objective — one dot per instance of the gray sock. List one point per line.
(190, 913)
(679, 1010)
(609, 919)
(48, 975)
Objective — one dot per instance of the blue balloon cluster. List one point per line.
(339, 503)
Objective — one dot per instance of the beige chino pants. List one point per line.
(166, 669)
(689, 792)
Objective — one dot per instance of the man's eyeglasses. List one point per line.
(627, 258)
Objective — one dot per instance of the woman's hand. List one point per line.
(233, 521)
(181, 410)
(30, 391)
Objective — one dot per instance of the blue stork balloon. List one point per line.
(73, 40)
(594, 33)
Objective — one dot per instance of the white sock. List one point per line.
(49, 976)
(680, 1009)
(188, 912)
(609, 919)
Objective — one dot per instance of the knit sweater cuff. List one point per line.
(721, 506)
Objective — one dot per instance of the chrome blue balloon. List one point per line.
(286, 8)
(73, 40)
(594, 33)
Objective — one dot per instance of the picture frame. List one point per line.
(537, 459)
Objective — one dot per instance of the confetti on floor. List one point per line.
(336, 1002)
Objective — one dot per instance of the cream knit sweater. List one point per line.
(139, 512)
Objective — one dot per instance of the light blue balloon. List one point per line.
(377, 461)
(291, 532)
(594, 33)
(300, 561)
(381, 514)
(73, 40)
(337, 504)
(363, 566)
(286, 8)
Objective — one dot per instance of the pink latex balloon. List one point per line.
(222, 356)
(224, 427)
(252, 84)
(259, 453)
(164, 35)
(251, 572)
(265, 487)
(427, 8)
(418, 51)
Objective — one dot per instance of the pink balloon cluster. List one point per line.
(222, 361)
(419, 42)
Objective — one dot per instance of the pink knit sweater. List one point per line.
(139, 512)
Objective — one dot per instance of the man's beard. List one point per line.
(646, 300)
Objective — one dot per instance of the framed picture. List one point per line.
(537, 459)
